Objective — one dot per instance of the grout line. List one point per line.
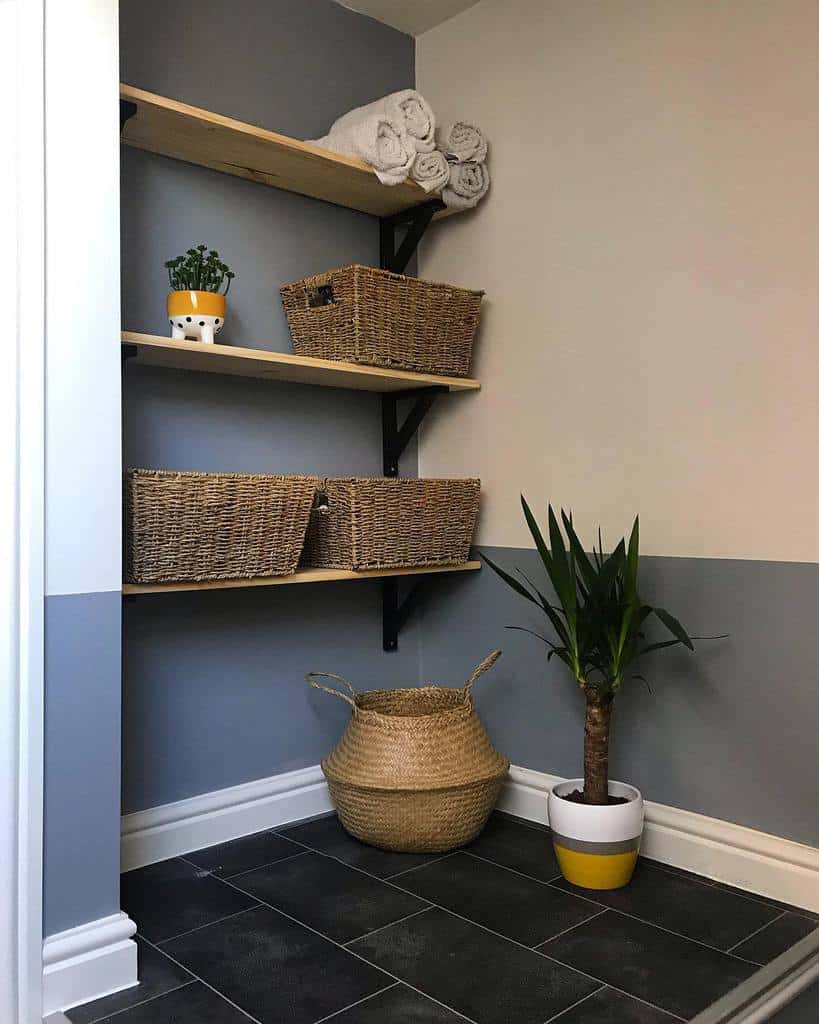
(557, 1016)
(757, 931)
(531, 878)
(202, 980)
(207, 924)
(133, 1006)
(571, 928)
(426, 864)
(669, 869)
(380, 928)
(267, 864)
(358, 1002)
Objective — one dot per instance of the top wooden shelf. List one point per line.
(177, 130)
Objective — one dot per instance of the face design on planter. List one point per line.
(196, 327)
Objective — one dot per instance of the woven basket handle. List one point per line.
(311, 678)
(484, 666)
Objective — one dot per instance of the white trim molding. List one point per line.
(87, 962)
(755, 861)
(177, 828)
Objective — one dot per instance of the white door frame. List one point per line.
(22, 451)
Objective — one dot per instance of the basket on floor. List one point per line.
(414, 770)
(213, 526)
(391, 523)
(363, 315)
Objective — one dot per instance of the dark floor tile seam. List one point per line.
(380, 928)
(143, 1002)
(789, 908)
(514, 871)
(199, 927)
(358, 1002)
(758, 930)
(358, 956)
(535, 826)
(662, 928)
(670, 869)
(202, 981)
(222, 878)
(571, 928)
(426, 864)
(582, 999)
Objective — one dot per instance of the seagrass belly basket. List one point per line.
(414, 770)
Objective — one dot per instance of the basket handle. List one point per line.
(484, 666)
(311, 678)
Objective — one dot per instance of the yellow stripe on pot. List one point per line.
(596, 870)
(190, 303)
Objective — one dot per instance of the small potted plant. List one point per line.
(196, 303)
(598, 626)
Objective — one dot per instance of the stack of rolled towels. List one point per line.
(398, 136)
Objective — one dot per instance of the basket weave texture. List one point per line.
(391, 522)
(213, 526)
(363, 315)
(414, 770)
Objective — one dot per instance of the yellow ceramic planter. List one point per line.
(196, 315)
(596, 847)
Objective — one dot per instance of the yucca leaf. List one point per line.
(657, 646)
(674, 626)
(587, 570)
(537, 536)
(509, 580)
(563, 579)
(532, 632)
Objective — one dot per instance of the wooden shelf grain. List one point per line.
(153, 350)
(300, 576)
(174, 129)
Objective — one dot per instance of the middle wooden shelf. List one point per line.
(300, 576)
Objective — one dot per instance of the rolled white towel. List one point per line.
(408, 107)
(430, 170)
(468, 184)
(379, 140)
(462, 142)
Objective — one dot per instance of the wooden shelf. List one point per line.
(250, 362)
(300, 576)
(177, 130)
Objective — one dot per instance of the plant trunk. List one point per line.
(596, 750)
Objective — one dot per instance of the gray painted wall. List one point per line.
(82, 758)
(213, 683)
(729, 732)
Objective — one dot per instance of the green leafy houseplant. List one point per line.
(598, 626)
(199, 270)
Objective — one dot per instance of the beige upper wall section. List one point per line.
(650, 250)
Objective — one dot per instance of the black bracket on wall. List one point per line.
(416, 220)
(395, 611)
(395, 438)
(127, 109)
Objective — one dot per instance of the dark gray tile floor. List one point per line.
(305, 924)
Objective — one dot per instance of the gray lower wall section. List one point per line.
(214, 691)
(82, 759)
(728, 732)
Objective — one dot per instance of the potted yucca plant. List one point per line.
(196, 303)
(598, 633)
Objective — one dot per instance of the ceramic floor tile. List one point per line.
(157, 975)
(488, 979)
(700, 912)
(276, 970)
(254, 851)
(331, 897)
(506, 902)
(671, 972)
(610, 1007)
(398, 1005)
(775, 938)
(513, 845)
(193, 1004)
(173, 897)
(813, 915)
(328, 836)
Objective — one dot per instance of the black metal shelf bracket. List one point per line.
(395, 438)
(127, 109)
(416, 220)
(396, 611)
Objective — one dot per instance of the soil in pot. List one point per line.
(576, 797)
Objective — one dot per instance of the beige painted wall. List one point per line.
(650, 250)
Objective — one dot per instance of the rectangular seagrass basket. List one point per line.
(363, 315)
(213, 526)
(391, 523)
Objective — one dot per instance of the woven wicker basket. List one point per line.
(414, 770)
(391, 522)
(213, 526)
(363, 315)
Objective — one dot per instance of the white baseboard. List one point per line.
(187, 825)
(755, 861)
(88, 962)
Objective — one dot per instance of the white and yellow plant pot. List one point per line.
(196, 315)
(596, 846)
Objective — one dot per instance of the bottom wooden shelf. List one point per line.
(300, 576)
